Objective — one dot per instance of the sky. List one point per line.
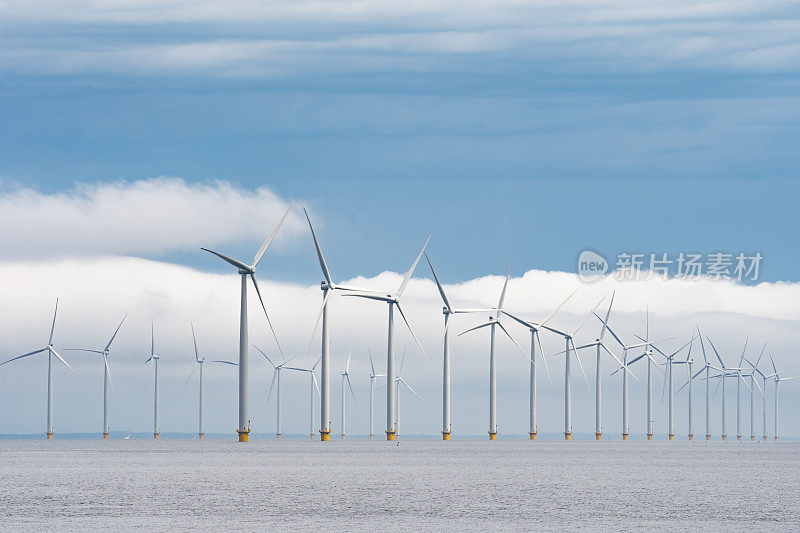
(133, 133)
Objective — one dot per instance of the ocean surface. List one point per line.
(184, 485)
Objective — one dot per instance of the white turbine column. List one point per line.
(311, 404)
(649, 399)
(49, 394)
(598, 426)
(724, 426)
(156, 431)
(764, 410)
(567, 406)
(446, 378)
(279, 431)
(671, 401)
(777, 385)
(391, 429)
(344, 411)
(492, 387)
(200, 429)
(325, 374)
(371, 407)
(244, 425)
(625, 429)
(691, 421)
(708, 403)
(533, 429)
(739, 405)
(397, 410)
(752, 400)
(105, 398)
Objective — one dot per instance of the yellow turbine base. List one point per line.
(201, 435)
(650, 437)
(324, 436)
(567, 436)
(371, 436)
(445, 435)
(105, 435)
(343, 435)
(752, 438)
(50, 436)
(708, 437)
(492, 435)
(624, 436)
(156, 435)
(691, 437)
(598, 436)
(724, 437)
(739, 438)
(244, 435)
(312, 436)
(390, 435)
(776, 439)
(533, 436)
(277, 435)
(765, 437)
(672, 437)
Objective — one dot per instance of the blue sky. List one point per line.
(524, 131)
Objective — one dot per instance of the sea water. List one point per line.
(138, 484)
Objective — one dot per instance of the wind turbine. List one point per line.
(648, 351)
(739, 393)
(534, 328)
(198, 362)
(724, 373)
(447, 311)
(688, 362)
(568, 339)
(778, 381)
(763, 391)
(598, 343)
(625, 365)
(249, 270)
(51, 351)
(372, 376)
(313, 387)
(346, 376)
(393, 299)
(276, 375)
(400, 381)
(106, 374)
(668, 377)
(154, 358)
(707, 369)
(328, 287)
(495, 321)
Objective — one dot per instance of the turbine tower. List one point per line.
(625, 364)
(328, 287)
(249, 270)
(346, 376)
(154, 358)
(723, 374)
(598, 343)
(393, 300)
(106, 374)
(778, 380)
(400, 381)
(648, 351)
(276, 376)
(568, 340)
(51, 351)
(495, 321)
(198, 363)
(668, 377)
(314, 387)
(753, 382)
(534, 328)
(372, 376)
(447, 311)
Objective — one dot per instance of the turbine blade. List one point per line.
(438, 284)
(322, 264)
(232, 363)
(580, 365)
(608, 314)
(53, 327)
(260, 299)
(108, 371)
(387, 299)
(505, 287)
(194, 338)
(746, 341)
(714, 396)
(261, 251)
(353, 394)
(411, 270)
(409, 387)
(524, 354)
(272, 384)
(541, 351)
(617, 359)
(588, 315)
(478, 327)
(716, 352)
(80, 350)
(62, 360)
(557, 309)
(521, 321)
(316, 323)
(702, 345)
(115, 332)
(402, 314)
(371, 365)
(265, 355)
(194, 367)
(24, 355)
(314, 379)
(234, 262)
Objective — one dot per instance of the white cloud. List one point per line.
(95, 293)
(145, 217)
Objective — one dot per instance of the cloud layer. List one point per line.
(146, 217)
